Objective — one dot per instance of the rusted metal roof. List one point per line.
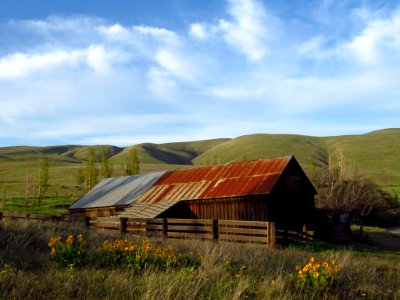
(229, 180)
(119, 191)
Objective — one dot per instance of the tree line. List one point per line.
(89, 175)
(341, 188)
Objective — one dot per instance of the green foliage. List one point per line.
(132, 167)
(142, 255)
(70, 252)
(315, 274)
(133, 162)
(91, 169)
(106, 169)
(43, 179)
(79, 177)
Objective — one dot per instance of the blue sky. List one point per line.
(127, 72)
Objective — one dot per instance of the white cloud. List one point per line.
(116, 32)
(248, 31)
(158, 33)
(75, 75)
(199, 31)
(379, 37)
(23, 65)
(20, 64)
(175, 63)
(161, 84)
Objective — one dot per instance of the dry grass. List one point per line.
(227, 271)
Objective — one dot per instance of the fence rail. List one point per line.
(218, 230)
(223, 230)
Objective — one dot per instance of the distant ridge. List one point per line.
(375, 154)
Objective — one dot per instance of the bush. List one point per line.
(315, 274)
(142, 255)
(70, 252)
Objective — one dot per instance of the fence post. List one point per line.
(305, 235)
(215, 229)
(1, 216)
(123, 225)
(271, 235)
(27, 216)
(87, 222)
(165, 228)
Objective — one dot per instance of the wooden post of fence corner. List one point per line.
(165, 228)
(305, 232)
(87, 222)
(123, 225)
(215, 230)
(1, 216)
(271, 235)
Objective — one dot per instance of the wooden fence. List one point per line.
(217, 230)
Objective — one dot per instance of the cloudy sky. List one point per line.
(125, 72)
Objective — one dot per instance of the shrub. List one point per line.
(70, 252)
(143, 254)
(315, 274)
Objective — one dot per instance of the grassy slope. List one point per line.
(374, 154)
(258, 146)
(170, 153)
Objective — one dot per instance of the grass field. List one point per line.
(226, 270)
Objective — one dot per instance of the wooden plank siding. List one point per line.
(238, 208)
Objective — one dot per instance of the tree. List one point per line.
(133, 162)
(79, 177)
(356, 195)
(29, 184)
(43, 179)
(106, 169)
(91, 169)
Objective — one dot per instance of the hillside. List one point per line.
(373, 155)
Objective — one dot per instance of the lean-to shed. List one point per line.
(112, 195)
(268, 189)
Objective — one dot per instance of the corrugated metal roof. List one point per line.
(218, 181)
(146, 210)
(118, 191)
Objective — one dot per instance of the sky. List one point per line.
(127, 72)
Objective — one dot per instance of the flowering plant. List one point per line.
(70, 252)
(141, 255)
(316, 274)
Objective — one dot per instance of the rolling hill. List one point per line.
(374, 155)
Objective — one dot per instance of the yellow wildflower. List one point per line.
(80, 238)
(69, 240)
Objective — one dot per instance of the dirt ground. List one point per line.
(387, 240)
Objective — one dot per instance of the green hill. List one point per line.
(171, 153)
(374, 155)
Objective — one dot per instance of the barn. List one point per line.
(274, 190)
(113, 195)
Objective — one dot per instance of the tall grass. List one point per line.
(226, 271)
